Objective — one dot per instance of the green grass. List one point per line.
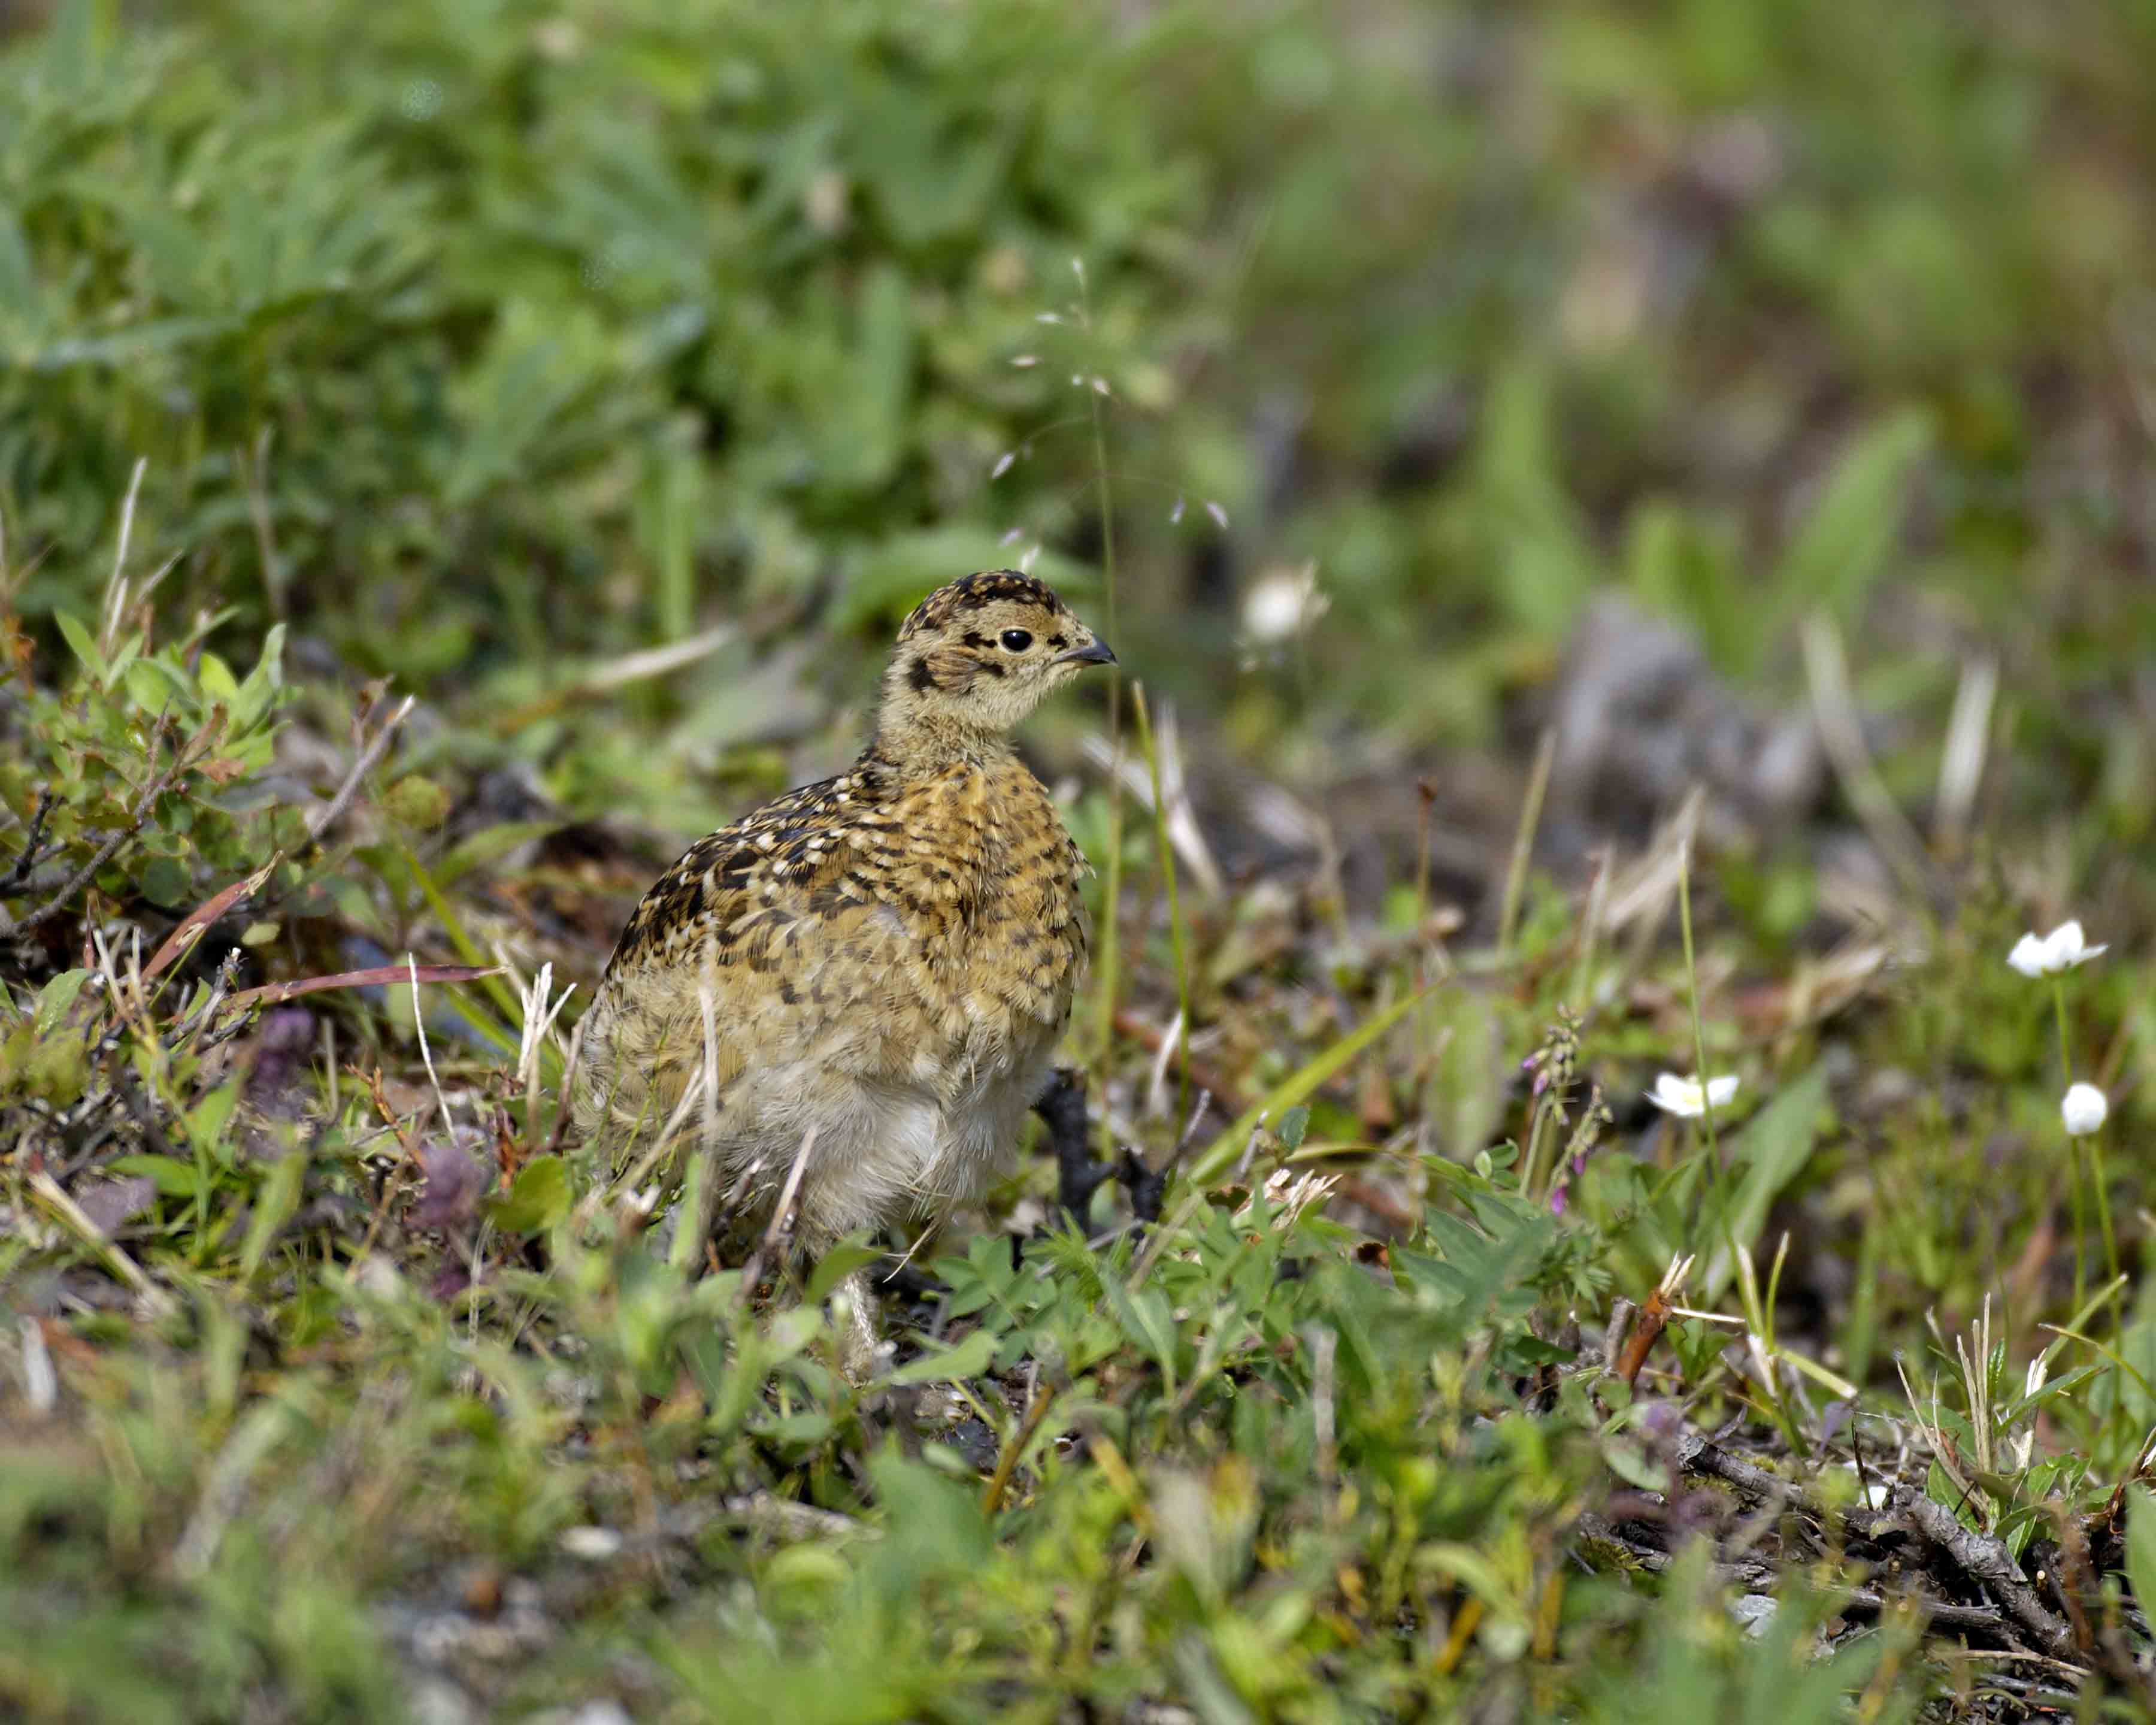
(1261, 1460)
(478, 353)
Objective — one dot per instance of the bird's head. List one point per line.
(978, 655)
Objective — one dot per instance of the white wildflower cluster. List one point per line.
(2084, 1107)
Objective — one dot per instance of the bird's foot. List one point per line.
(1062, 1107)
(1147, 1186)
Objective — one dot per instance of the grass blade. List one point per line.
(1300, 1086)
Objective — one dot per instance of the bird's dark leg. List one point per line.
(1147, 1186)
(1062, 1108)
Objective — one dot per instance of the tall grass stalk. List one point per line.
(1167, 854)
(2095, 1171)
(1523, 842)
(1713, 1182)
(1107, 963)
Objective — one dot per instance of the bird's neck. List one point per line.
(922, 742)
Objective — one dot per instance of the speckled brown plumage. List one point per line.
(890, 954)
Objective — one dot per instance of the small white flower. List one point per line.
(1282, 604)
(1687, 1097)
(594, 1545)
(2047, 955)
(2083, 1109)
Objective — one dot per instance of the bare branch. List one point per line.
(1983, 1559)
(327, 817)
(33, 848)
(106, 852)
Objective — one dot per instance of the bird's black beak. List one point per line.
(1092, 653)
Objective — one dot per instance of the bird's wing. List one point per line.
(799, 923)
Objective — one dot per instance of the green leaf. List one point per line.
(868, 425)
(165, 881)
(151, 683)
(969, 1359)
(274, 1206)
(670, 512)
(538, 1200)
(216, 679)
(803, 1431)
(168, 1174)
(539, 363)
(84, 645)
(56, 998)
(208, 1119)
(931, 1525)
(2141, 1545)
(488, 845)
(1849, 538)
(258, 695)
(1631, 1465)
(18, 275)
(1146, 1319)
(1473, 1570)
(1772, 1149)
(835, 1266)
(1544, 561)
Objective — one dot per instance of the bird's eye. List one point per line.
(1017, 640)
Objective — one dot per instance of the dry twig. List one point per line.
(32, 852)
(1978, 1557)
(326, 816)
(1983, 1559)
(109, 849)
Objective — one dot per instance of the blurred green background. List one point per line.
(485, 342)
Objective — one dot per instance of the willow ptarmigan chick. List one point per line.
(890, 954)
